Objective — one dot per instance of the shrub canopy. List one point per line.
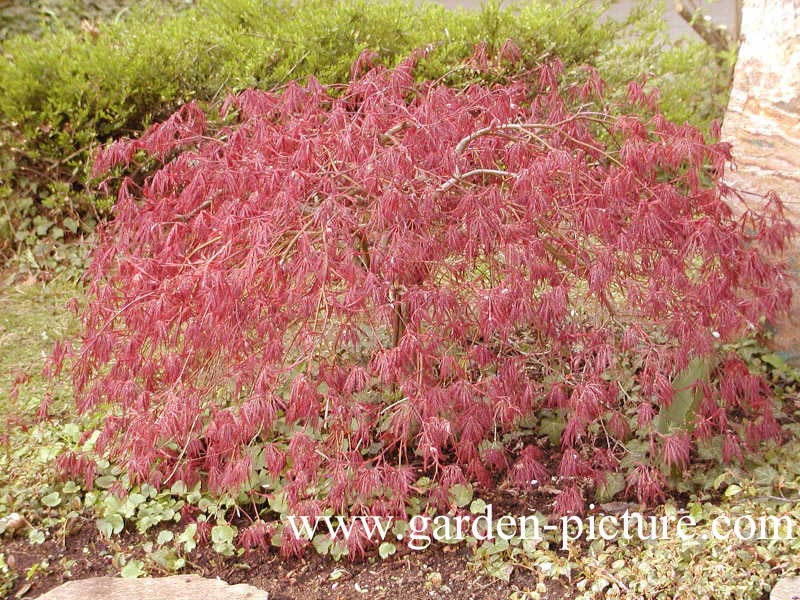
(340, 292)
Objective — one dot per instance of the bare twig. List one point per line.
(714, 35)
(388, 135)
(457, 179)
(194, 212)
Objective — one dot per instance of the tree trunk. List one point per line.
(763, 123)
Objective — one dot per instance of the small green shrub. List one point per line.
(62, 94)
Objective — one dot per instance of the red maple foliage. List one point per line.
(349, 288)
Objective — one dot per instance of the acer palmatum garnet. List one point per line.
(349, 288)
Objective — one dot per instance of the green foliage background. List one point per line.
(65, 89)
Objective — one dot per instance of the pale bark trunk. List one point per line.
(763, 123)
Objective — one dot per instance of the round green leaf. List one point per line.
(386, 549)
(52, 499)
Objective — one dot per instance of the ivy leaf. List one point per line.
(133, 568)
(774, 360)
(105, 481)
(277, 503)
(765, 475)
(110, 525)
(164, 536)
(500, 569)
(733, 490)
(165, 558)
(322, 543)
(70, 224)
(477, 506)
(105, 527)
(460, 494)
(36, 536)
(386, 549)
(338, 550)
(52, 499)
(188, 538)
(70, 487)
(222, 537)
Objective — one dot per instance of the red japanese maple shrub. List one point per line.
(345, 291)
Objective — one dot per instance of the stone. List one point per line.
(177, 587)
(763, 123)
(787, 588)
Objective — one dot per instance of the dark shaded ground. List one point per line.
(78, 551)
(439, 572)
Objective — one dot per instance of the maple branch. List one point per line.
(399, 316)
(194, 212)
(363, 249)
(492, 130)
(526, 128)
(388, 135)
(458, 178)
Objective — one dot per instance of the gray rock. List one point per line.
(178, 587)
(787, 588)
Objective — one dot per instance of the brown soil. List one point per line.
(439, 572)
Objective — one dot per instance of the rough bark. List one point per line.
(763, 123)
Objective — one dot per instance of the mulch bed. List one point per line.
(440, 571)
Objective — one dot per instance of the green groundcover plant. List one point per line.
(333, 291)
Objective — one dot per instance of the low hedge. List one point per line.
(68, 90)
